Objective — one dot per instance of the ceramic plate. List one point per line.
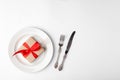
(42, 61)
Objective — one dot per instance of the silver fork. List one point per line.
(62, 37)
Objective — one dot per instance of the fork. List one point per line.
(62, 37)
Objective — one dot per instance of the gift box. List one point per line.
(30, 50)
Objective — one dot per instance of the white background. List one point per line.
(95, 52)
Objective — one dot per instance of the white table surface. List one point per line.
(95, 52)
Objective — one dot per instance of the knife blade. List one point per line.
(70, 42)
(67, 49)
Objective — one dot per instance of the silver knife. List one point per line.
(67, 50)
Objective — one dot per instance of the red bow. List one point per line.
(36, 46)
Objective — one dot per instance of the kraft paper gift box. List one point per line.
(30, 50)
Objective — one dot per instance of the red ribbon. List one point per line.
(35, 47)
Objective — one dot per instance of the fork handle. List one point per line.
(56, 63)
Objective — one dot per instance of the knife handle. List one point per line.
(62, 64)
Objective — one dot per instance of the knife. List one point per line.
(67, 50)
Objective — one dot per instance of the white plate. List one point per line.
(42, 61)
